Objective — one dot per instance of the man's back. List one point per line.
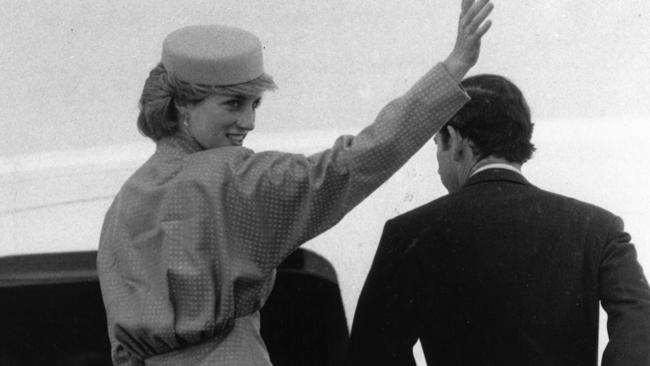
(503, 273)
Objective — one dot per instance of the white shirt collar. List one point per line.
(496, 166)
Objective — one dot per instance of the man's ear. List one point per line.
(456, 143)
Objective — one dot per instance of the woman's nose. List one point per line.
(247, 119)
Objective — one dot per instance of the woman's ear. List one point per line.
(181, 107)
(183, 112)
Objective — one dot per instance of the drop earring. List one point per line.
(187, 132)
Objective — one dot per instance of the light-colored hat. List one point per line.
(213, 55)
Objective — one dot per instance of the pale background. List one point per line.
(72, 72)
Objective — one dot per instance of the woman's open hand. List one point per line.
(471, 27)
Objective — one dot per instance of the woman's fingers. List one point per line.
(473, 10)
(480, 17)
(466, 4)
(484, 28)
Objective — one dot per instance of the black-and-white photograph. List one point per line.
(301, 182)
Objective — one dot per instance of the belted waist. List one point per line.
(243, 346)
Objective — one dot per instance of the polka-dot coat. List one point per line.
(189, 246)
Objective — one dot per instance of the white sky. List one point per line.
(72, 71)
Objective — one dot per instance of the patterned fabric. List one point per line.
(189, 246)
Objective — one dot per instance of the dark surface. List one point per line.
(53, 324)
(54, 268)
(503, 273)
(303, 321)
(52, 313)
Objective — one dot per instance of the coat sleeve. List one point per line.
(384, 329)
(273, 202)
(209, 234)
(625, 296)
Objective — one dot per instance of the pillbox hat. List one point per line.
(213, 55)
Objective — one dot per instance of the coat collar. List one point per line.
(177, 145)
(496, 175)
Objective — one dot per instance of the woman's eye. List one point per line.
(256, 104)
(234, 103)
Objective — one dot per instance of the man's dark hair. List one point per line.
(496, 119)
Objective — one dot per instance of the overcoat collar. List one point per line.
(496, 175)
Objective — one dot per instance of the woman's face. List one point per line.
(221, 120)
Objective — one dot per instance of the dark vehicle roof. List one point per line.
(53, 314)
(65, 267)
(41, 269)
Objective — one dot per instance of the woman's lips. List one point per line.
(236, 138)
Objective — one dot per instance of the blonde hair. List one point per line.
(158, 114)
